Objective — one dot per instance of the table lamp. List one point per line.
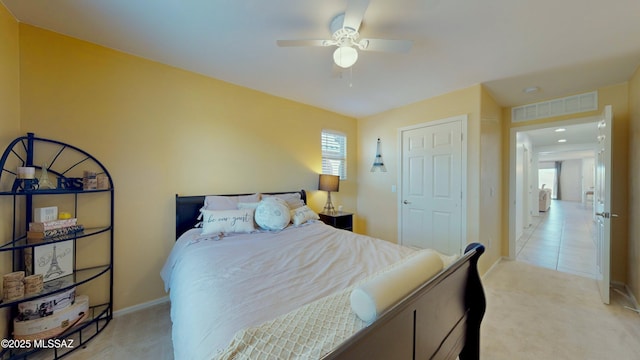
(329, 183)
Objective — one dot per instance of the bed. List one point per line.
(290, 293)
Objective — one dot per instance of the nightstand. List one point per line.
(339, 220)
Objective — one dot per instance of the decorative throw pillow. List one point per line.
(220, 202)
(227, 221)
(293, 200)
(303, 214)
(248, 205)
(272, 214)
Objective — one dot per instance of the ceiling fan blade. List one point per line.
(387, 45)
(355, 13)
(286, 43)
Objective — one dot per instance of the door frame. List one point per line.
(526, 186)
(603, 211)
(512, 168)
(463, 119)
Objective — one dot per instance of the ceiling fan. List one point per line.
(344, 28)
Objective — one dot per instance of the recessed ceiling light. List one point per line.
(560, 130)
(531, 90)
(562, 140)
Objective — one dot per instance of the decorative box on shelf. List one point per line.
(46, 306)
(44, 214)
(53, 224)
(55, 324)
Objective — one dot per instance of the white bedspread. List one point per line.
(219, 287)
(308, 332)
(313, 330)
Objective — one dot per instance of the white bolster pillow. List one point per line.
(371, 298)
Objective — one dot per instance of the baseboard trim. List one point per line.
(625, 291)
(492, 267)
(139, 307)
(632, 299)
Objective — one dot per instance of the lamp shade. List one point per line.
(329, 182)
(345, 56)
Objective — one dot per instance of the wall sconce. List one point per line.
(378, 164)
(329, 183)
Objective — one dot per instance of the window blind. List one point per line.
(334, 153)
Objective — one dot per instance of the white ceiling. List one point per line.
(575, 135)
(564, 47)
(580, 141)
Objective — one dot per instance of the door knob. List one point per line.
(603, 214)
(406, 202)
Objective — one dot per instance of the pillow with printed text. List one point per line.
(227, 221)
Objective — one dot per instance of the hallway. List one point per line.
(561, 239)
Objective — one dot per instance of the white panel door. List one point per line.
(602, 204)
(431, 211)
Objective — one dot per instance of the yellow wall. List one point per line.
(9, 126)
(161, 131)
(491, 158)
(617, 96)
(634, 185)
(9, 78)
(378, 206)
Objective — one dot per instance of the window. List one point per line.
(334, 153)
(547, 178)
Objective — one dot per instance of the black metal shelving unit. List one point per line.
(64, 162)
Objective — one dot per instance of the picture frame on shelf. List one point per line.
(53, 261)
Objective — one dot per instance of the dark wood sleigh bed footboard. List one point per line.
(439, 320)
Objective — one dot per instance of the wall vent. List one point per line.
(556, 107)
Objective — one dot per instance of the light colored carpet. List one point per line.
(538, 313)
(140, 335)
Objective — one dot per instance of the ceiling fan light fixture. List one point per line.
(345, 56)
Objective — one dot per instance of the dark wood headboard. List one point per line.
(188, 208)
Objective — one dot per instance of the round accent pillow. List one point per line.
(272, 214)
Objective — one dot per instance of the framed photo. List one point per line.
(53, 260)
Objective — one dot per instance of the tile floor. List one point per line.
(561, 239)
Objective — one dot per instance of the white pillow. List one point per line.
(379, 292)
(272, 214)
(227, 221)
(303, 214)
(248, 205)
(293, 200)
(221, 202)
